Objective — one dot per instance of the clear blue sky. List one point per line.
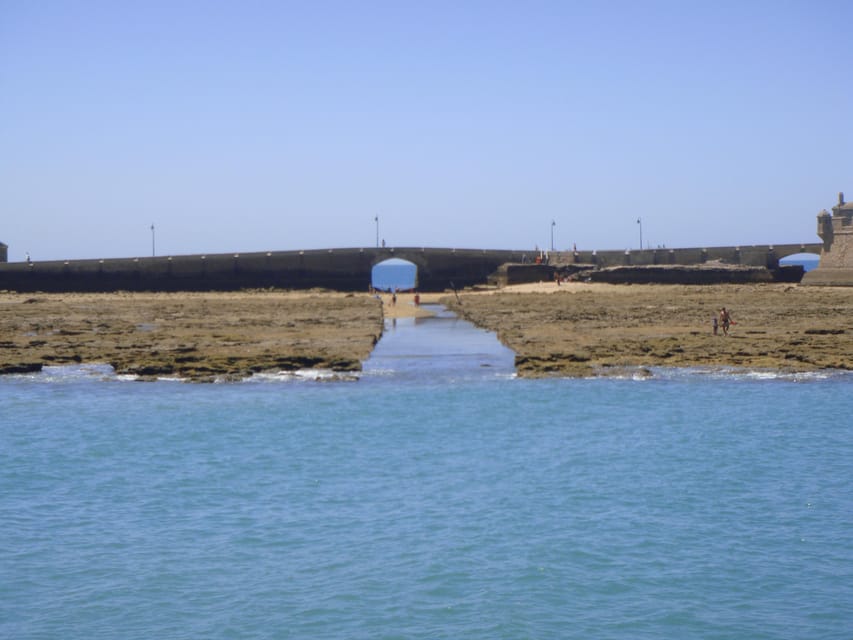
(249, 126)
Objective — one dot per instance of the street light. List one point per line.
(553, 224)
(640, 222)
(376, 220)
(152, 240)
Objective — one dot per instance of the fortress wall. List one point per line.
(838, 251)
(836, 258)
(829, 277)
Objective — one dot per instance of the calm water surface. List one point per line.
(436, 497)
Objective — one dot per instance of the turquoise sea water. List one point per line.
(436, 497)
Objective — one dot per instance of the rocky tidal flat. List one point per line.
(572, 329)
(196, 336)
(583, 330)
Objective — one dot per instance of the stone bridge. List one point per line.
(340, 269)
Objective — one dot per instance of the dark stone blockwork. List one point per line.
(339, 269)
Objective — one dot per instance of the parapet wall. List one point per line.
(752, 256)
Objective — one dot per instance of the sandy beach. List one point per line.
(573, 329)
(405, 307)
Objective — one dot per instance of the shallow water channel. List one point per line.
(440, 346)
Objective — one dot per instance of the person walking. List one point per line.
(725, 320)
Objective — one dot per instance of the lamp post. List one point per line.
(553, 224)
(152, 240)
(376, 220)
(640, 222)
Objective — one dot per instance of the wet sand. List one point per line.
(569, 330)
(597, 329)
(405, 306)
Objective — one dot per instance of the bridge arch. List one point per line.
(808, 260)
(394, 273)
(789, 250)
(417, 257)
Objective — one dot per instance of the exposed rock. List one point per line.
(20, 367)
(189, 335)
(588, 330)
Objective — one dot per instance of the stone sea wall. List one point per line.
(511, 274)
(697, 275)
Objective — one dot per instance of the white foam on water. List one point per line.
(303, 375)
(74, 373)
(742, 373)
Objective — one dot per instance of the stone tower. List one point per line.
(836, 255)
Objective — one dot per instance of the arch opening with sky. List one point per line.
(808, 261)
(394, 273)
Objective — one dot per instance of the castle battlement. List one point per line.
(836, 254)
